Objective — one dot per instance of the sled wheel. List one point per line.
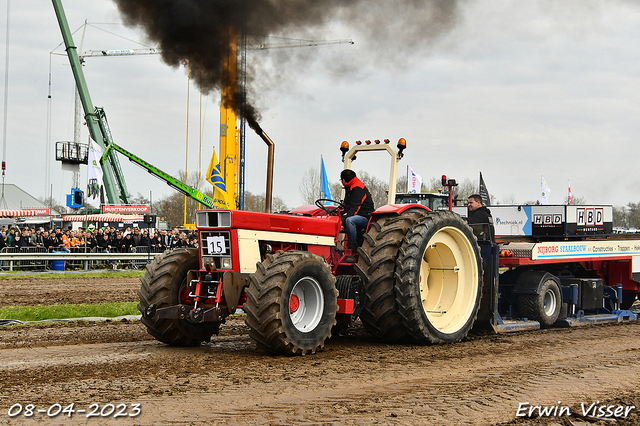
(543, 307)
(164, 284)
(439, 279)
(291, 303)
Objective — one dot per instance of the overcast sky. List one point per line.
(515, 90)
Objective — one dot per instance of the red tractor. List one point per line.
(418, 276)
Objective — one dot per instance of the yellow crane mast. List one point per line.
(229, 134)
(231, 156)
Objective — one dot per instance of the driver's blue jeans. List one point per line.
(352, 224)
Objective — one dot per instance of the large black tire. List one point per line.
(439, 279)
(162, 284)
(376, 265)
(543, 307)
(291, 303)
(349, 287)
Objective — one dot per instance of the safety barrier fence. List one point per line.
(59, 259)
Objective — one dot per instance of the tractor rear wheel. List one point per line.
(164, 284)
(376, 265)
(439, 279)
(291, 303)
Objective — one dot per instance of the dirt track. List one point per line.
(31, 291)
(356, 380)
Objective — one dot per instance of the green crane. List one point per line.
(170, 180)
(93, 123)
(114, 183)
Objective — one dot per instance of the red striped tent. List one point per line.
(102, 218)
(17, 213)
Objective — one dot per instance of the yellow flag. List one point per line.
(221, 198)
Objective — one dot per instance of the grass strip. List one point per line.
(12, 275)
(43, 312)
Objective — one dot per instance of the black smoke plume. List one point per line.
(198, 31)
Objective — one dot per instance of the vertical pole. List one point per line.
(6, 98)
(186, 154)
(200, 146)
(243, 121)
(408, 180)
(321, 163)
(229, 146)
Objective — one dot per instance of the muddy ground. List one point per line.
(66, 288)
(355, 380)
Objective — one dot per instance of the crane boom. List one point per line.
(286, 43)
(291, 42)
(170, 180)
(120, 52)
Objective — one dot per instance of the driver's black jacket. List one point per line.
(357, 199)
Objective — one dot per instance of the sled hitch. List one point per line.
(185, 312)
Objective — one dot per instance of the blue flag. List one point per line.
(324, 185)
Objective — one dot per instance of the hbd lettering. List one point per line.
(593, 410)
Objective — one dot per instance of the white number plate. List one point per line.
(215, 245)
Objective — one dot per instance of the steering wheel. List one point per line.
(330, 210)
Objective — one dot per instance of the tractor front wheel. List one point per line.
(291, 303)
(164, 284)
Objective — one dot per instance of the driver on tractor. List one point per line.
(358, 206)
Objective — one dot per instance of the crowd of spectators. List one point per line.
(107, 239)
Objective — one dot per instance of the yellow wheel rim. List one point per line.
(449, 280)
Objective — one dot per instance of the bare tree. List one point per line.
(620, 216)
(434, 185)
(633, 215)
(578, 201)
(401, 183)
(53, 205)
(336, 191)
(309, 186)
(172, 208)
(139, 199)
(256, 203)
(509, 200)
(377, 187)
(466, 188)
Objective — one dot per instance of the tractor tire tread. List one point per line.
(408, 297)
(160, 286)
(376, 266)
(264, 298)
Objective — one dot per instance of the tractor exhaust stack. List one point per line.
(270, 160)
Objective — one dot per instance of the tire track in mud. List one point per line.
(100, 353)
(67, 289)
(440, 394)
(356, 380)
